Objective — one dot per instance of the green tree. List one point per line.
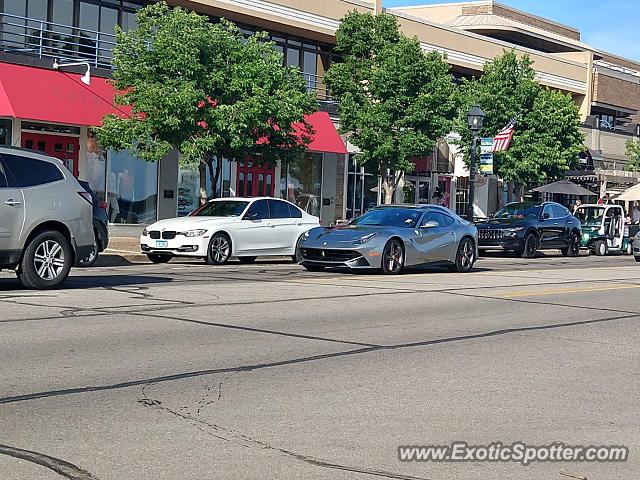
(547, 138)
(395, 100)
(632, 149)
(205, 90)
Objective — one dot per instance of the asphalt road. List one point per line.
(186, 371)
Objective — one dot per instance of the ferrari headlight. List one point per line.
(366, 238)
(198, 232)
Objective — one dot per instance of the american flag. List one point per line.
(502, 141)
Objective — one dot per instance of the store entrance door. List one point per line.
(62, 147)
(255, 179)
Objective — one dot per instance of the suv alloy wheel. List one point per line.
(46, 261)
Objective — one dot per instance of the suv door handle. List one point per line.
(12, 203)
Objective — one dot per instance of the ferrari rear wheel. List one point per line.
(393, 257)
(465, 257)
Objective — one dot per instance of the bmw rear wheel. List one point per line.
(465, 257)
(393, 257)
(219, 250)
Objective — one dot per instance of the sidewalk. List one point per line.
(122, 251)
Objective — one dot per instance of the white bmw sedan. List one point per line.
(242, 227)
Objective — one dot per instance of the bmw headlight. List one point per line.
(198, 232)
(145, 232)
(305, 235)
(366, 238)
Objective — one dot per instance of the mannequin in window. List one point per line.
(127, 194)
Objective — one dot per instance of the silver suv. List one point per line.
(45, 218)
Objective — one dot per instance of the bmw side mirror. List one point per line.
(251, 216)
(430, 224)
(545, 216)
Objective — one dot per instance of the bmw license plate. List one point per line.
(162, 244)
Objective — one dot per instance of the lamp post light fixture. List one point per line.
(86, 78)
(475, 118)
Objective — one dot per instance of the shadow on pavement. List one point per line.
(91, 281)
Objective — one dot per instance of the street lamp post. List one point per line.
(475, 118)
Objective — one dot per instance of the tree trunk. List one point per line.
(202, 169)
(215, 176)
(390, 182)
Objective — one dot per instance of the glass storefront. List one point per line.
(128, 185)
(301, 183)
(189, 185)
(5, 132)
(362, 189)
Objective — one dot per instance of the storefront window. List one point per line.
(362, 189)
(189, 186)
(5, 132)
(132, 188)
(301, 183)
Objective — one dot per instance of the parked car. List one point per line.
(604, 229)
(100, 227)
(526, 227)
(45, 218)
(391, 238)
(242, 227)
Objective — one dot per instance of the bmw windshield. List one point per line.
(590, 216)
(224, 208)
(519, 210)
(389, 217)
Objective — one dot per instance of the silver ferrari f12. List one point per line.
(393, 237)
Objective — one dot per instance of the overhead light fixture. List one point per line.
(86, 78)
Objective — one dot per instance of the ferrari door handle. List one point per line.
(272, 225)
(12, 203)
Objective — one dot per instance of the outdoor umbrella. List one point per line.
(630, 195)
(565, 187)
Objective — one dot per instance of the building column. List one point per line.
(82, 153)
(16, 127)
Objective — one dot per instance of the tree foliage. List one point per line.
(632, 150)
(395, 100)
(204, 89)
(547, 138)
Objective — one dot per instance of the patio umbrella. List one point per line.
(565, 187)
(630, 194)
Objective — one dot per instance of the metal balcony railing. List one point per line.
(43, 39)
(28, 36)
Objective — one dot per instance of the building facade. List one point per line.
(53, 110)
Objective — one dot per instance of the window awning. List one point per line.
(54, 96)
(325, 137)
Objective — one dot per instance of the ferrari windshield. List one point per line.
(389, 217)
(519, 210)
(224, 208)
(590, 216)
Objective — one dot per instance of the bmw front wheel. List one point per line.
(219, 250)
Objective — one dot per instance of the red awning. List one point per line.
(54, 96)
(325, 137)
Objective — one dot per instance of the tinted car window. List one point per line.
(261, 210)
(3, 177)
(389, 217)
(294, 212)
(548, 210)
(279, 209)
(29, 172)
(443, 220)
(224, 208)
(560, 211)
(518, 210)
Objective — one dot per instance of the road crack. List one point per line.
(61, 467)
